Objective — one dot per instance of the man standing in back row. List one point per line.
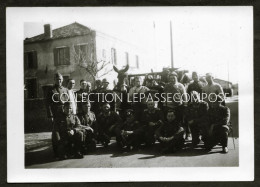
(55, 100)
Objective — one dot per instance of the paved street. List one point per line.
(39, 153)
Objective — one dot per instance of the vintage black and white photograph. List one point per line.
(149, 88)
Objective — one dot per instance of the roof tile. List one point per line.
(74, 29)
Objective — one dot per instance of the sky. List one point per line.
(205, 41)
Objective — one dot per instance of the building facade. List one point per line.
(69, 50)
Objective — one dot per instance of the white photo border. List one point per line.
(15, 19)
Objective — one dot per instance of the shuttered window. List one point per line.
(137, 61)
(127, 58)
(84, 53)
(30, 60)
(61, 56)
(113, 56)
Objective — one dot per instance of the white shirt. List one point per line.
(73, 101)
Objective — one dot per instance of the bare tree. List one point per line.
(84, 57)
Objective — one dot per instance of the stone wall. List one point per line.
(35, 116)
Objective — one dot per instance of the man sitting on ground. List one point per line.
(71, 135)
(107, 123)
(88, 120)
(170, 134)
(151, 120)
(131, 132)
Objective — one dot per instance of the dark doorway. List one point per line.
(31, 85)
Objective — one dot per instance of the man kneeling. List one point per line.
(131, 135)
(219, 128)
(170, 134)
(70, 132)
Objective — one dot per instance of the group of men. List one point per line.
(79, 126)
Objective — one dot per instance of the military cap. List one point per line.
(105, 81)
(98, 81)
(173, 74)
(209, 75)
(67, 104)
(58, 75)
(82, 80)
(171, 110)
(194, 73)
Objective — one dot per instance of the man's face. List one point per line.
(88, 87)
(170, 116)
(172, 79)
(58, 81)
(150, 105)
(106, 108)
(195, 77)
(67, 109)
(83, 85)
(98, 85)
(209, 79)
(137, 82)
(71, 84)
(105, 85)
(86, 107)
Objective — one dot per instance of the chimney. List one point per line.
(47, 31)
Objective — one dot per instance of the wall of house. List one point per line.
(45, 59)
(105, 42)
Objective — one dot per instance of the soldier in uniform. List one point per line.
(219, 125)
(196, 85)
(85, 88)
(136, 91)
(71, 136)
(212, 88)
(94, 97)
(151, 120)
(155, 88)
(56, 97)
(178, 94)
(197, 117)
(88, 120)
(108, 94)
(178, 101)
(107, 124)
(170, 134)
(131, 132)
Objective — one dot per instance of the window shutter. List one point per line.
(35, 60)
(115, 57)
(67, 55)
(55, 54)
(76, 47)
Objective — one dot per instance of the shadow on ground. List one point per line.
(45, 154)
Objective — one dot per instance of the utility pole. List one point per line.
(171, 44)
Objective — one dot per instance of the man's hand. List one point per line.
(190, 122)
(89, 129)
(71, 132)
